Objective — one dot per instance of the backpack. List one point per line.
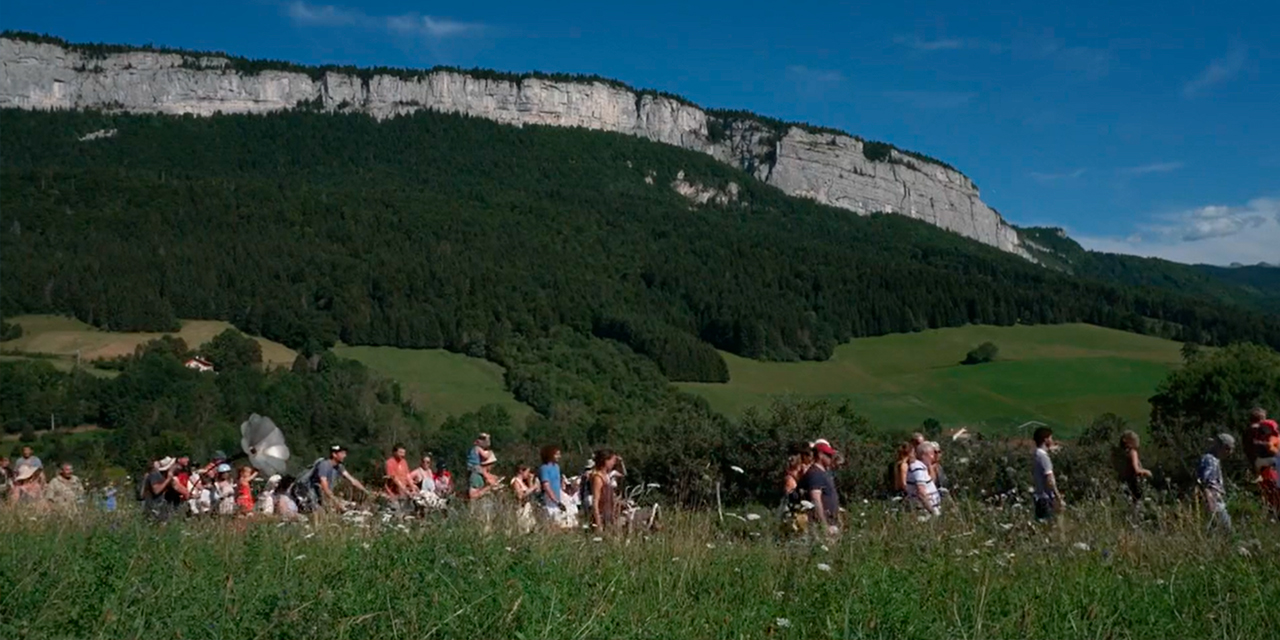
(142, 487)
(301, 492)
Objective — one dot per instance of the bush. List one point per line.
(10, 331)
(985, 352)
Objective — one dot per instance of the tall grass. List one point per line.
(976, 573)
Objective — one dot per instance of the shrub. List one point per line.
(983, 353)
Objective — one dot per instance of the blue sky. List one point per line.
(1143, 127)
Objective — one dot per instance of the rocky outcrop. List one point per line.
(830, 168)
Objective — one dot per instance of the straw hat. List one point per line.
(25, 472)
(164, 464)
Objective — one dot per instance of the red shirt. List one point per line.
(244, 497)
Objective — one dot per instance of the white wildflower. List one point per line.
(753, 516)
(779, 594)
(824, 548)
(1244, 552)
(710, 545)
(782, 623)
(990, 543)
(737, 469)
(301, 557)
(1006, 526)
(1082, 546)
(822, 566)
(806, 504)
(365, 546)
(597, 539)
(309, 536)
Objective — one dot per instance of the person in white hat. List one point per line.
(157, 501)
(26, 486)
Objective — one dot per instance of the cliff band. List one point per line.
(828, 167)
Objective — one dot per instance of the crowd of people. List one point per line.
(549, 497)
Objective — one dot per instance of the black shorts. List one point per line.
(1044, 509)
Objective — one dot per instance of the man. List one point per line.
(1263, 444)
(552, 484)
(396, 481)
(65, 491)
(476, 454)
(1209, 477)
(818, 487)
(325, 476)
(29, 459)
(156, 497)
(480, 489)
(1047, 497)
(922, 490)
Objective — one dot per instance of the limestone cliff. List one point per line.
(829, 167)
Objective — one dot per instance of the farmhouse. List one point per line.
(199, 364)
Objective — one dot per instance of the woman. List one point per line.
(525, 488)
(794, 517)
(900, 466)
(423, 478)
(604, 512)
(1130, 466)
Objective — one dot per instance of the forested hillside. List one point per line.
(436, 230)
(1256, 287)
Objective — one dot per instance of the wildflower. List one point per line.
(782, 623)
(1082, 546)
(1244, 552)
(1005, 526)
(301, 557)
(309, 536)
(753, 516)
(822, 566)
(779, 594)
(653, 485)
(710, 545)
(365, 546)
(597, 539)
(824, 548)
(990, 543)
(737, 469)
(806, 505)
(866, 501)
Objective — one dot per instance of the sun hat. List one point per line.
(164, 463)
(25, 472)
(224, 468)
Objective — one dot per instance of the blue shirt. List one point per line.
(550, 474)
(473, 458)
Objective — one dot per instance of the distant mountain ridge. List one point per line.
(828, 166)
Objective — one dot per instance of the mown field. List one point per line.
(1064, 375)
(976, 573)
(62, 337)
(440, 382)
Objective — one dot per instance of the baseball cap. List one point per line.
(224, 468)
(336, 448)
(824, 447)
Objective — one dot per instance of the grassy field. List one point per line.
(975, 573)
(1062, 374)
(440, 382)
(63, 337)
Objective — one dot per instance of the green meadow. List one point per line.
(1063, 375)
(440, 382)
(977, 572)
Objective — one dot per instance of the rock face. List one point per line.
(827, 167)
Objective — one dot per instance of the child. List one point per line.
(224, 491)
(1209, 476)
(244, 493)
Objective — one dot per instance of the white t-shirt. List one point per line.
(918, 475)
(1041, 468)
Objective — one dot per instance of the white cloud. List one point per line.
(1215, 234)
(814, 82)
(1219, 71)
(932, 99)
(1047, 178)
(411, 24)
(1154, 167)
